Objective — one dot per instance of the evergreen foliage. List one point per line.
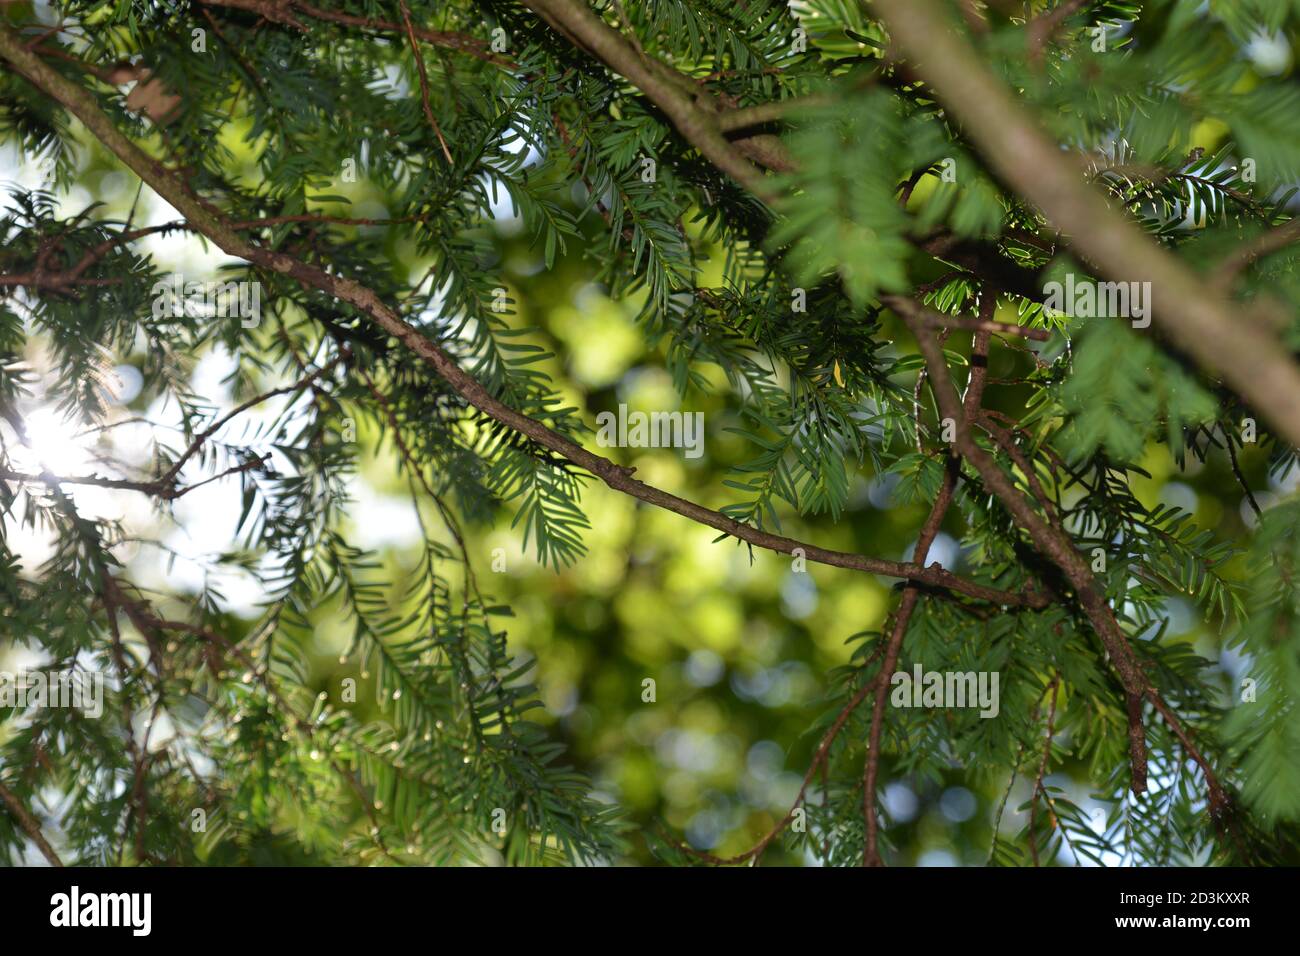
(800, 154)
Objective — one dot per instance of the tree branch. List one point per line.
(31, 826)
(745, 117)
(1137, 744)
(941, 320)
(283, 12)
(164, 486)
(1054, 689)
(929, 531)
(669, 90)
(170, 476)
(424, 82)
(209, 223)
(1242, 258)
(40, 277)
(1196, 317)
(1056, 545)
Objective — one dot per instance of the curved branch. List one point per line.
(1195, 316)
(1055, 545)
(223, 233)
(695, 115)
(669, 90)
(165, 486)
(938, 511)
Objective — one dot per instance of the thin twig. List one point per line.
(31, 826)
(1236, 470)
(1042, 769)
(746, 116)
(1236, 262)
(1057, 546)
(940, 320)
(1040, 30)
(424, 82)
(911, 594)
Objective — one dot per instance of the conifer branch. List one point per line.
(673, 93)
(424, 83)
(907, 605)
(744, 117)
(285, 12)
(1195, 316)
(1054, 689)
(212, 225)
(31, 826)
(147, 621)
(794, 327)
(1057, 547)
(939, 320)
(1242, 258)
